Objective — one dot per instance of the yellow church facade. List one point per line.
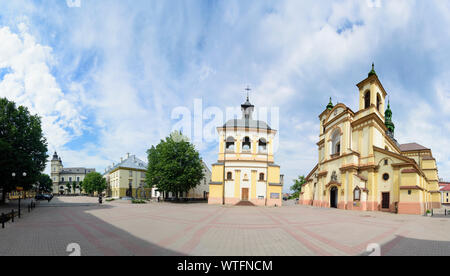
(361, 166)
(245, 172)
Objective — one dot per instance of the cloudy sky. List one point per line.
(107, 75)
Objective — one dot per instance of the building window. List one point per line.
(246, 145)
(62, 179)
(131, 173)
(261, 177)
(379, 102)
(229, 176)
(336, 142)
(386, 162)
(70, 179)
(409, 192)
(78, 179)
(262, 145)
(367, 100)
(386, 177)
(230, 144)
(357, 194)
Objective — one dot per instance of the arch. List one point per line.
(246, 144)
(229, 176)
(357, 194)
(262, 145)
(261, 177)
(336, 142)
(229, 143)
(367, 99)
(334, 197)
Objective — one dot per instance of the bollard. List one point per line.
(3, 220)
(12, 215)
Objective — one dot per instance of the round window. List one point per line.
(386, 177)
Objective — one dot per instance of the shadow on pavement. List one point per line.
(50, 231)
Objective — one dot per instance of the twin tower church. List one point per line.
(361, 165)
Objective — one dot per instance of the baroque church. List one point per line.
(245, 173)
(362, 166)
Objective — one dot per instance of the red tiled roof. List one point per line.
(412, 147)
(445, 188)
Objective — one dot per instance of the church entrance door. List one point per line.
(333, 197)
(245, 194)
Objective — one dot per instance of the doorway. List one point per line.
(333, 197)
(385, 202)
(245, 194)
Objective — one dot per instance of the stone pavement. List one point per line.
(120, 228)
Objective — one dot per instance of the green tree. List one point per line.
(45, 183)
(174, 165)
(74, 186)
(297, 187)
(94, 182)
(69, 188)
(23, 148)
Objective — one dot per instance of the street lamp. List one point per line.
(24, 174)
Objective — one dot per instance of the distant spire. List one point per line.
(371, 73)
(247, 108)
(388, 119)
(330, 105)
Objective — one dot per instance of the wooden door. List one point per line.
(385, 201)
(244, 193)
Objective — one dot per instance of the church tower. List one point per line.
(56, 168)
(372, 95)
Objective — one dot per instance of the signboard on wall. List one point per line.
(275, 196)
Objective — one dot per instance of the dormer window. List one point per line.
(367, 100)
(262, 145)
(246, 144)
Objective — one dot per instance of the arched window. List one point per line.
(229, 176)
(367, 100)
(379, 102)
(246, 144)
(336, 142)
(62, 179)
(357, 194)
(230, 144)
(261, 177)
(262, 145)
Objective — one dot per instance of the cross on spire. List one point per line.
(248, 89)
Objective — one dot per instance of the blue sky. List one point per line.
(106, 76)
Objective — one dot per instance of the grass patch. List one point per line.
(138, 201)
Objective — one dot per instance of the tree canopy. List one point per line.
(45, 183)
(174, 165)
(94, 182)
(23, 147)
(297, 187)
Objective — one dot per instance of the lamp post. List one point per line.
(14, 176)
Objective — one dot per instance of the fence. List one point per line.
(4, 218)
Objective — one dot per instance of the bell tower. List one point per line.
(372, 94)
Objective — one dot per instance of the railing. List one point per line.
(4, 218)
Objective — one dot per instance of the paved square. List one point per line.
(120, 228)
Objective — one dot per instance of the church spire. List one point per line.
(330, 105)
(371, 73)
(388, 119)
(247, 108)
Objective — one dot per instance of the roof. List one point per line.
(412, 147)
(446, 188)
(247, 123)
(77, 170)
(131, 162)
